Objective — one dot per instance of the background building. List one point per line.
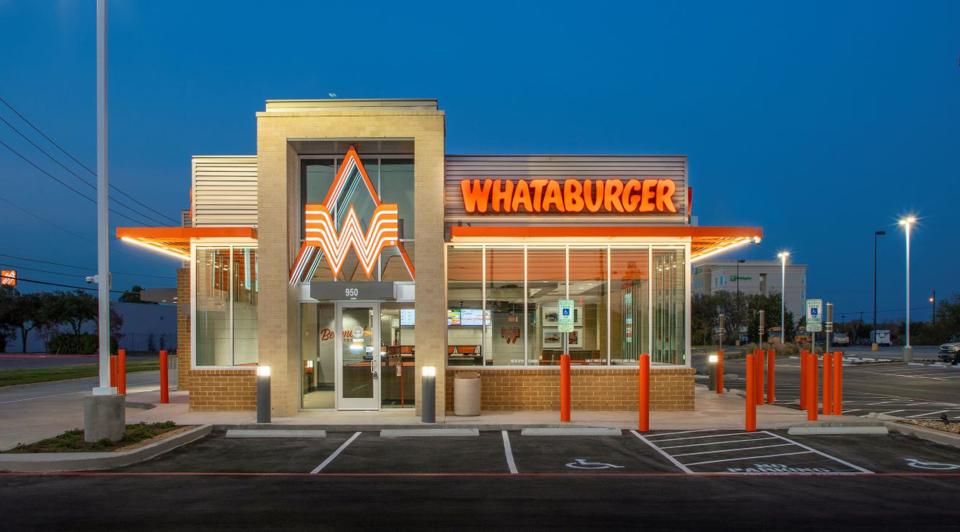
(755, 277)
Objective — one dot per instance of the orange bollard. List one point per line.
(565, 388)
(803, 379)
(771, 372)
(750, 420)
(758, 361)
(122, 371)
(164, 378)
(113, 371)
(827, 370)
(838, 383)
(643, 394)
(812, 387)
(720, 371)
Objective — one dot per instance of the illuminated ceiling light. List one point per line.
(734, 245)
(159, 249)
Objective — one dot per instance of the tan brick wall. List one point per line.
(223, 389)
(591, 389)
(183, 328)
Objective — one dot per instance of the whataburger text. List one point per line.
(568, 196)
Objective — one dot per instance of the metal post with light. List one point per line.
(737, 302)
(104, 413)
(874, 346)
(428, 388)
(783, 294)
(263, 394)
(933, 309)
(712, 360)
(908, 222)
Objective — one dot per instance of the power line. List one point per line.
(74, 174)
(74, 159)
(42, 219)
(82, 268)
(58, 180)
(22, 280)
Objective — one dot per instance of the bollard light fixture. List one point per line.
(263, 371)
(428, 388)
(429, 371)
(263, 394)
(713, 359)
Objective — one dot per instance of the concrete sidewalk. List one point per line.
(33, 412)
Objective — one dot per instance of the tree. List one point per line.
(29, 312)
(72, 308)
(7, 323)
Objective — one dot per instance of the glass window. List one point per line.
(225, 315)
(503, 339)
(546, 285)
(629, 305)
(396, 186)
(318, 353)
(588, 290)
(465, 323)
(668, 306)
(397, 355)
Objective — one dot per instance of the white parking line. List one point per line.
(893, 411)
(508, 451)
(714, 443)
(747, 458)
(701, 437)
(665, 454)
(928, 413)
(823, 454)
(734, 450)
(335, 454)
(681, 432)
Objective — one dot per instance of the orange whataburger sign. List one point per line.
(8, 277)
(570, 196)
(333, 228)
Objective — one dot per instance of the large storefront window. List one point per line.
(226, 292)
(503, 303)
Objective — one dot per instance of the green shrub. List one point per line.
(77, 344)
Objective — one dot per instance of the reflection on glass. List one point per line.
(546, 286)
(398, 367)
(318, 354)
(503, 336)
(358, 352)
(464, 292)
(629, 311)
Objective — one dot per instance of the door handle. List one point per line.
(375, 375)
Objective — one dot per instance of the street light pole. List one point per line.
(874, 345)
(907, 223)
(933, 310)
(783, 294)
(739, 261)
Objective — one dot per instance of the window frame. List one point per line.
(230, 245)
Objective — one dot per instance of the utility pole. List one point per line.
(103, 410)
(874, 345)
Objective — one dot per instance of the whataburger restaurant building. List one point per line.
(352, 251)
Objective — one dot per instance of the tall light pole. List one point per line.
(103, 411)
(783, 294)
(908, 222)
(739, 262)
(874, 345)
(933, 310)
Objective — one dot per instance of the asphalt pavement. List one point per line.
(693, 479)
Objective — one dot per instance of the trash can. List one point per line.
(466, 394)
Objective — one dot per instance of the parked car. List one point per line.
(882, 337)
(949, 350)
(841, 338)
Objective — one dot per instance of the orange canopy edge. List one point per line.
(176, 240)
(704, 240)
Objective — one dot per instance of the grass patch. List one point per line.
(72, 440)
(10, 377)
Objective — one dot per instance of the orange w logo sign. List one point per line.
(321, 235)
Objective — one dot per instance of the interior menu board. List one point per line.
(408, 317)
(453, 316)
(471, 317)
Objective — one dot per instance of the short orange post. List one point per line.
(750, 421)
(812, 387)
(122, 371)
(838, 383)
(803, 379)
(164, 378)
(643, 394)
(113, 371)
(771, 374)
(720, 371)
(565, 388)
(827, 370)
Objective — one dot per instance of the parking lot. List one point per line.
(507, 453)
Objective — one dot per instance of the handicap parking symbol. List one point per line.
(582, 463)
(935, 466)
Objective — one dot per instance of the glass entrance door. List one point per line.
(358, 353)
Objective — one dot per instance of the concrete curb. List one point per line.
(878, 430)
(428, 433)
(276, 433)
(936, 436)
(97, 461)
(571, 431)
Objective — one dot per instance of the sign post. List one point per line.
(565, 326)
(814, 321)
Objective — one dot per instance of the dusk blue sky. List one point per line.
(819, 121)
